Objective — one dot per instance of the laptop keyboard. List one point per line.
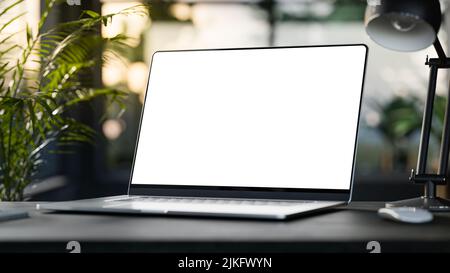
(201, 200)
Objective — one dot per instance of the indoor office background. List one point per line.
(395, 86)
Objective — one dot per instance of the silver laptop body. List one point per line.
(265, 133)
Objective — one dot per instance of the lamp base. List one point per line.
(433, 204)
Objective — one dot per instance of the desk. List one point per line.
(340, 230)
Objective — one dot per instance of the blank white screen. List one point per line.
(279, 118)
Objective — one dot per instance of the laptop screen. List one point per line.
(263, 117)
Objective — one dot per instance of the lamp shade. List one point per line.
(403, 25)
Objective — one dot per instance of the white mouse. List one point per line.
(406, 214)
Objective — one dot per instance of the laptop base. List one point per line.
(193, 206)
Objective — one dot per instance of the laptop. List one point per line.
(268, 133)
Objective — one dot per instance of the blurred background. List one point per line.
(395, 86)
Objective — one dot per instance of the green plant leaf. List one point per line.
(5, 10)
(29, 35)
(37, 114)
(10, 21)
(91, 13)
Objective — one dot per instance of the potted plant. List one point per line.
(34, 101)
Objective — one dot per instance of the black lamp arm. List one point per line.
(421, 175)
(440, 51)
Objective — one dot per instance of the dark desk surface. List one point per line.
(347, 229)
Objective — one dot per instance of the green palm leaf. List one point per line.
(32, 117)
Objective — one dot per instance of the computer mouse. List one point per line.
(406, 215)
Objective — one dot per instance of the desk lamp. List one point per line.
(411, 25)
